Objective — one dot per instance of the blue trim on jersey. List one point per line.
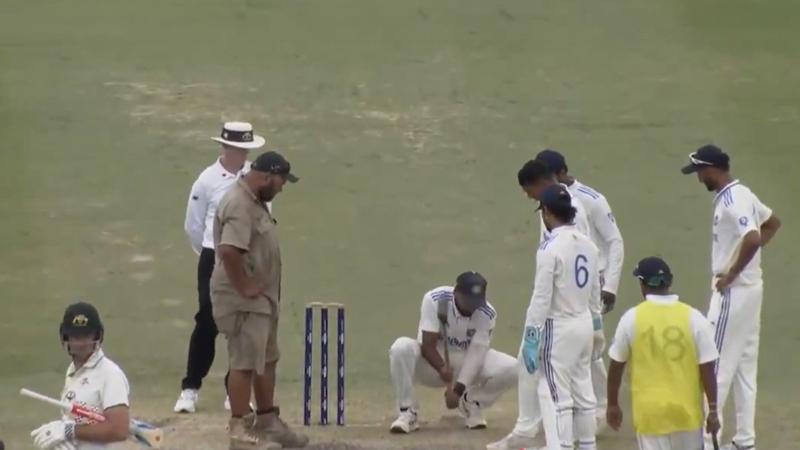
(588, 191)
(722, 323)
(727, 198)
(442, 294)
(726, 192)
(488, 310)
(547, 365)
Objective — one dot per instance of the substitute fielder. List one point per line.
(557, 342)
(741, 226)
(92, 380)
(475, 376)
(670, 348)
(606, 236)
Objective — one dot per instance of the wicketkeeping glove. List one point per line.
(530, 348)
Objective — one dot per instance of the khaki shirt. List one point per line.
(244, 222)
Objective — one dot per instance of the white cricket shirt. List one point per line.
(581, 220)
(206, 193)
(737, 211)
(604, 233)
(99, 384)
(461, 330)
(702, 332)
(567, 283)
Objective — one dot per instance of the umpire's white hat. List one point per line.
(239, 135)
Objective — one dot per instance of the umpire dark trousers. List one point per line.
(202, 343)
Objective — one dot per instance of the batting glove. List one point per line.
(51, 435)
(530, 348)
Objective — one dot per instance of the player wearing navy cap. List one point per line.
(741, 226)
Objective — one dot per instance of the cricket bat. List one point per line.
(142, 432)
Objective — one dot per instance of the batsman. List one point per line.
(93, 381)
(452, 350)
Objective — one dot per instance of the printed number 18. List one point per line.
(581, 272)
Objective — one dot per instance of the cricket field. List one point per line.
(407, 122)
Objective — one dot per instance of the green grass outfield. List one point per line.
(407, 122)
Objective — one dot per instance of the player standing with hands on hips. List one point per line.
(670, 348)
(556, 347)
(606, 236)
(93, 381)
(742, 225)
(237, 139)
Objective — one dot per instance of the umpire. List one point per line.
(237, 139)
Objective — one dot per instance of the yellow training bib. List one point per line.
(665, 373)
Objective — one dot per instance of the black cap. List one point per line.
(707, 156)
(555, 196)
(472, 287)
(81, 319)
(654, 272)
(553, 160)
(274, 162)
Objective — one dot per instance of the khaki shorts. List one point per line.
(252, 339)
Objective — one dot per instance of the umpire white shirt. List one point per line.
(99, 384)
(206, 193)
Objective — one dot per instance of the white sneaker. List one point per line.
(406, 422)
(513, 442)
(473, 419)
(187, 402)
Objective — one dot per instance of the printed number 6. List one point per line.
(581, 272)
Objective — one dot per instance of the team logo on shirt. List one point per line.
(470, 332)
(70, 395)
(743, 221)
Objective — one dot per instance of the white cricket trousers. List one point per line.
(498, 374)
(682, 440)
(736, 316)
(560, 391)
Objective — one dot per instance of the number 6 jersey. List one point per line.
(567, 283)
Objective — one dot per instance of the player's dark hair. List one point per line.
(565, 213)
(533, 171)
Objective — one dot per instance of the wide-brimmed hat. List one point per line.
(239, 135)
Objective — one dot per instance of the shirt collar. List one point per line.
(91, 363)
(247, 189)
(225, 173)
(662, 299)
(725, 189)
